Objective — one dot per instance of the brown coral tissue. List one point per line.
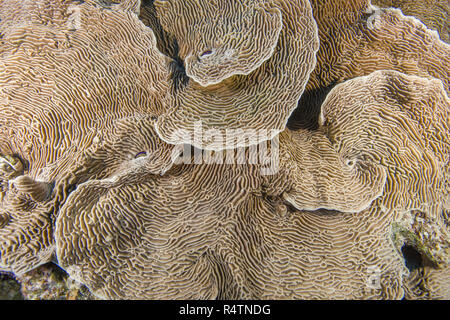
(225, 149)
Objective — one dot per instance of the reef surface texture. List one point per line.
(224, 149)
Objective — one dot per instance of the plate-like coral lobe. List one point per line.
(261, 100)
(434, 13)
(226, 231)
(158, 239)
(221, 38)
(399, 122)
(356, 39)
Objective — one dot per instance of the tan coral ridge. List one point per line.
(225, 231)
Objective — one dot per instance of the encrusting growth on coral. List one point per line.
(345, 195)
(226, 40)
(429, 283)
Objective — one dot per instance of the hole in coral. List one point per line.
(413, 258)
(140, 154)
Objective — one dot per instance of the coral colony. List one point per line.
(224, 149)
